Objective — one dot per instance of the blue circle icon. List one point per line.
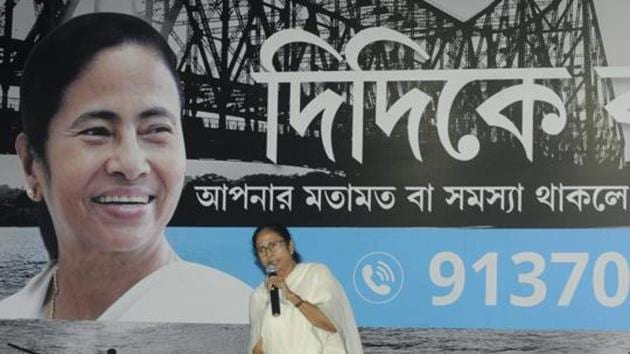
(378, 277)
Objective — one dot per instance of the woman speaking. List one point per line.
(314, 315)
(103, 154)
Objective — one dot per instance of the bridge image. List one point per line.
(225, 112)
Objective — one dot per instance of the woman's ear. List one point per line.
(25, 153)
(291, 248)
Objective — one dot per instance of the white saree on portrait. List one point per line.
(178, 292)
(291, 332)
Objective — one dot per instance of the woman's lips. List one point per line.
(122, 199)
(124, 207)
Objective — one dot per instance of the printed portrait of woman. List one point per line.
(102, 149)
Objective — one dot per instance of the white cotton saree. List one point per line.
(178, 292)
(291, 332)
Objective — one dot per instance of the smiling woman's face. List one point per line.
(115, 154)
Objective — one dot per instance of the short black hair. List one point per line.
(61, 56)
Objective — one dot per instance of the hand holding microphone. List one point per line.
(272, 271)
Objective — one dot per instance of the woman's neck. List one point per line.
(90, 283)
(285, 272)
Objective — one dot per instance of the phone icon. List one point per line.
(378, 277)
(368, 277)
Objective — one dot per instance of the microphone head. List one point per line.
(271, 269)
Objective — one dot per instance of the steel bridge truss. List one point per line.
(218, 43)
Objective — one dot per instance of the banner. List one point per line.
(455, 165)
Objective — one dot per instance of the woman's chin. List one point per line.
(122, 239)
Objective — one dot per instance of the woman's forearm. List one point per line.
(258, 348)
(312, 313)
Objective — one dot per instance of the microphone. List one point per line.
(273, 293)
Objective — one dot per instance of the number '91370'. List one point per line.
(533, 290)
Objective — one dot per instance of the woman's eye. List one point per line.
(159, 129)
(162, 129)
(97, 131)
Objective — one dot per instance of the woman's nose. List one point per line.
(128, 159)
